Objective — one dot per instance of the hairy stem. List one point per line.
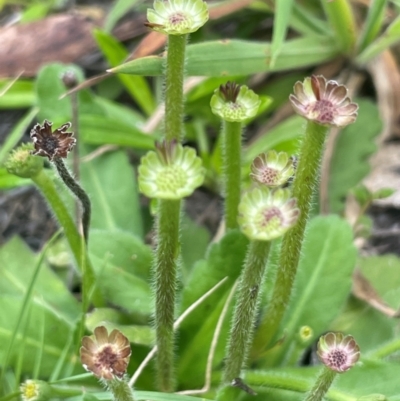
(168, 218)
(321, 386)
(303, 188)
(120, 390)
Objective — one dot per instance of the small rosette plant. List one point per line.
(272, 169)
(177, 17)
(265, 214)
(171, 172)
(234, 103)
(324, 102)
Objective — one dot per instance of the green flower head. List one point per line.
(35, 390)
(234, 103)
(22, 163)
(177, 17)
(171, 172)
(265, 214)
(272, 169)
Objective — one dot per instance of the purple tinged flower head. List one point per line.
(272, 169)
(106, 355)
(338, 352)
(324, 102)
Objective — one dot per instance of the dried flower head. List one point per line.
(324, 102)
(233, 103)
(69, 79)
(171, 172)
(338, 352)
(272, 169)
(177, 17)
(106, 356)
(35, 390)
(266, 214)
(52, 144)
(22, 163)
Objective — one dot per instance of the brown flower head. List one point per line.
(338, 352)
(322, 101)
(106, 356)
(52, 144)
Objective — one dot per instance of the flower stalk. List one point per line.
(324, 104)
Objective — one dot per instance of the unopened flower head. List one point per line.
(22, 163)
(35, 390)
(177, 17)
(52, 144)
(305, 334)
(272, 169)
(324, 102)
(338, 352)
(266, 214)
(106, 356)
(234, 103)
(171, 172)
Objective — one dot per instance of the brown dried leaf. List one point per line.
(363, 290)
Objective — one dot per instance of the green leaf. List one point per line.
(373, 23)
(146, 395)
(17, 262)
(390, 37)
(239, 57)
(354, 147)
(18, 96)
(100, 130)
(328, 251)
(135, 85)
(111, 185)
(118, 10)
(123, 250)
(16, 133)
(305, 22)
(283, 11)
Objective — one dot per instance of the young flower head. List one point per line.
(338, 352)
(233, 102)
(177, 17)
(324, 102)
(52, 144)
(106, 356)
(22, 163)
(171, 172)
(35, 390)
(265, 214)
(272, 169)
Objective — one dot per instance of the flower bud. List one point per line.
(171, 172)
(22, 163)
(177, 17)
(35, 390)
(234, 103)
(265, 214)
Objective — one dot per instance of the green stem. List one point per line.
(232, 141)
(75, 241)
(321, 386)
(167, 252)
(77, 190)
(303, 188)
(241, 334)
(341, 18)
(120, 390)
(386, 350)
(174, 75)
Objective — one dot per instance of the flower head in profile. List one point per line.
(324, 102)
(177, 17)
(52, 144)
(106, 356)
(233, 102)
(35, 390)
(22, 163)
(171, 172)
(266, 214)
(272, 169)
(338, 352)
